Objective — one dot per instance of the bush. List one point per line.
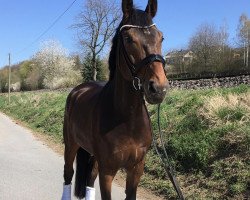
(58, 70)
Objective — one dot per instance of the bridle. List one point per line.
(135, 68)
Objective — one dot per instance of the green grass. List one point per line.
(40, 111)
(207, 135)
(205, 130)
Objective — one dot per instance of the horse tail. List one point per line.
(82, 162)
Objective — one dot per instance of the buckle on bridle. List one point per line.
(137, 83)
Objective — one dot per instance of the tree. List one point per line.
(242, 29)
(58, 70)
(30, 75)
(208, 45)
(223, 56)
(243, 34)
(95, 26)
(87, 66)
(25, 69)
(4, 79)
(223, 36)
(77, 62)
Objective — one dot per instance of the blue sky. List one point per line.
(23, 21)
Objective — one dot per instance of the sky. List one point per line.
(22, 22)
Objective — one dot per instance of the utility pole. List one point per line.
(247, 26)
(247, 47)
(9, 79)
(244, 53)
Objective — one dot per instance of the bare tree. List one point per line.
(241, 29)
(95, 25)
(243, 34)
(223, 55)
(207, 43)
(223, 36)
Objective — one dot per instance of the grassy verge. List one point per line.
(207, 134)
(41, 111)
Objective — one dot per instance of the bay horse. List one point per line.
(107, 126)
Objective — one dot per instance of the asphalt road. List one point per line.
(29, 170)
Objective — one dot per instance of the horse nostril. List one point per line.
(152, 87)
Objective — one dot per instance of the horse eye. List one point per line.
(162, 39)
(128, 39)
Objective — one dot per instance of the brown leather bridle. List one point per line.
(135, 68)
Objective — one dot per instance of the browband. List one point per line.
(134, 26)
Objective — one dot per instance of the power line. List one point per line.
(46, 30)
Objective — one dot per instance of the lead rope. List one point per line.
(165, 159)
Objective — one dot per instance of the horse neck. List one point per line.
(127, 101)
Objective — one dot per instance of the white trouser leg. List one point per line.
(66, 192)
(90, 193)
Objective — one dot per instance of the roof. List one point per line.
(178, 53)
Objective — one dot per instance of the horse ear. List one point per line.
(127, 7)
(151, 7)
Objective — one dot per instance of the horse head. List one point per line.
(140, 49)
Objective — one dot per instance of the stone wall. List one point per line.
(210, 83)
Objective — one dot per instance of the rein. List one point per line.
(165, 159)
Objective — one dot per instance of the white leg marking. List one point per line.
(66, 192)
(90, 193)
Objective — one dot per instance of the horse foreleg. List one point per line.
(133, 178)
(69, 157)
(105, 178)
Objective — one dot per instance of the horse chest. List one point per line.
(137, 153)
(130, 155)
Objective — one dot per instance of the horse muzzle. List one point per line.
(155, 93)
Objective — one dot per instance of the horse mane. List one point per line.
(138, 18)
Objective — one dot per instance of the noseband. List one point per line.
(135, 68)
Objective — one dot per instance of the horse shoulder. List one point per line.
(79, 112)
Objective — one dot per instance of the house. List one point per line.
(179, 57)
(238, 53)
(178, 61)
